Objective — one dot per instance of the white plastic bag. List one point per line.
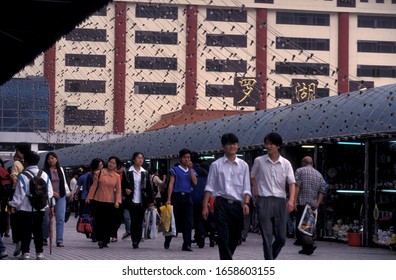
(308, 219)
(150, 229)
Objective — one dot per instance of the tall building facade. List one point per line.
(139, 65)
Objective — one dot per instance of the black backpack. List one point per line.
(38, 193)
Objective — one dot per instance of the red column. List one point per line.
(50, 74)
(261, 56)
(343, 52)
(191, 59)
(119, 67)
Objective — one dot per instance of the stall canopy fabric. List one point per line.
(30, 27)
(354, 116)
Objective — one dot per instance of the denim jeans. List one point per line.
(60, 211)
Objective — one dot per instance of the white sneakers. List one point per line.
(24, 256)
(39, 256)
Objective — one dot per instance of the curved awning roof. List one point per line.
(356, 115)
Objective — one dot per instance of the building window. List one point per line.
(231, 15)
(283, 93)
(90, 35)
(160, 11)
(226, 40)
(346, 3)
(219, 90)
(85, 60)
(376, 46)
(360, 85)
(376, 22)
(219, 65)
(264, 1)
(158, 63)
(314, 69)
(151, 37)
(379, 1)
(74, 116)
(302, 43)
(376, 71)
(85, 86)
(302, 18)
(155, 88)
(24, 105)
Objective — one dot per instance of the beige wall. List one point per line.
(142, 111)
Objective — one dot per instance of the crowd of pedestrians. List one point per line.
(214, 200)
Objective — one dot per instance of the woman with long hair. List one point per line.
(105, 194)
(61, 195)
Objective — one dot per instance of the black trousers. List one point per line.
(183, 212)
(104, 216)
(136, 212)
(229, 225)
(31, 223)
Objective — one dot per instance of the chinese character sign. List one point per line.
(247, 92)
(304, 90)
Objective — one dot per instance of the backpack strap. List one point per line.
(28, 174)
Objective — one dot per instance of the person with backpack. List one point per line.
(33, 193)
(61, 194)
(21, 149)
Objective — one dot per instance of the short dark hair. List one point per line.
(229, 138)
(23, 148)
(183, 152)
(32, 158)
(274, 138)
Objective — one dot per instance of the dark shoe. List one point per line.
(60, 244)
(100, 244)
(135, 245)
(307, 251)
(45, 242)
(187, 248)
(200, 243)
(166, 244)
(17, 250)
(212, 243)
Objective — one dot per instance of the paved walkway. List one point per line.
(78, 247)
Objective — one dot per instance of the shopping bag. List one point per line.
(84, 224)
(150, 223)
(166, 215)
(308, 219)
(167, 222)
